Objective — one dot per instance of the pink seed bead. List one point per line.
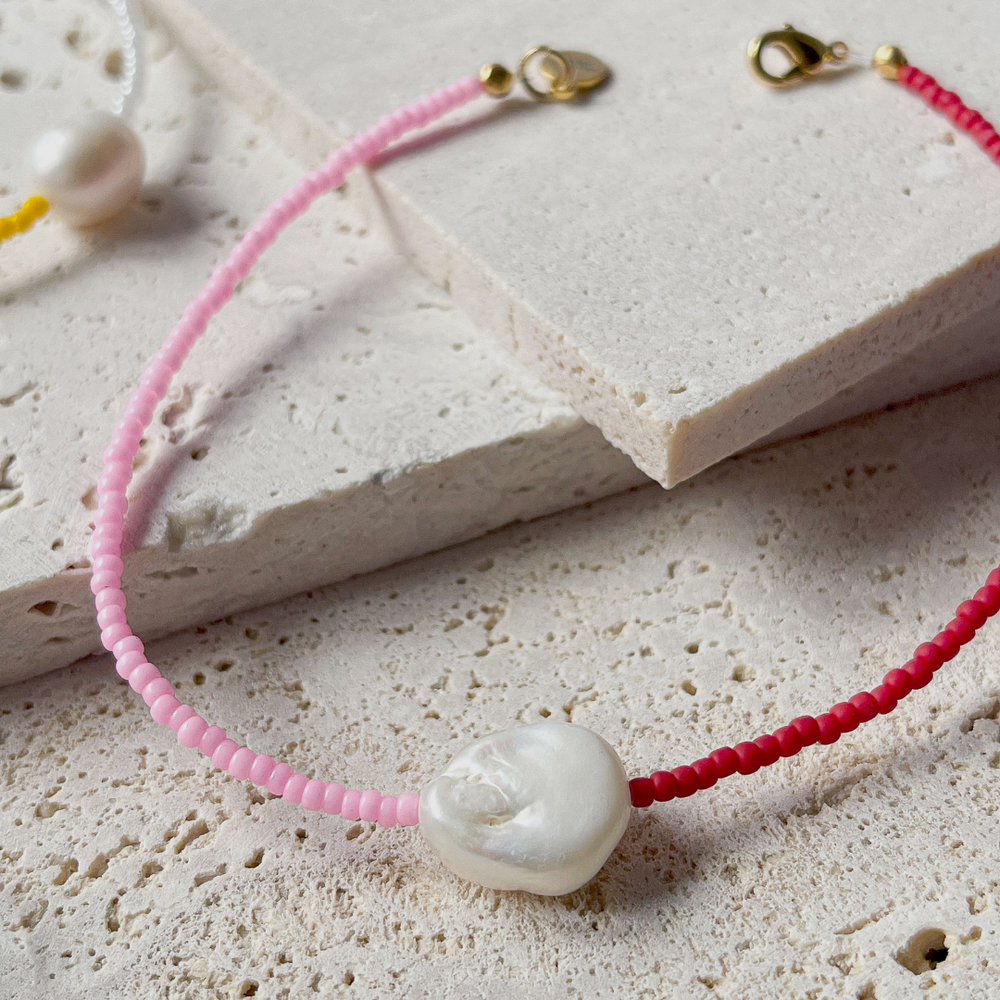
(239, 765)
(261, 769)
(110, 616)
(106, 579)
(142, 675)
(350, 808)
(163, 708)
(156, 688)
(113, 505)
(180, 715)
(109, 531)
(223, 753)
(109, 598)
(333, 797)
(127, 663)
(105, 547)
(114, 633)
(126, 645)
(294, 788)
(408, 809)
(210, 740)
(110, 564)
(312, 795)
(279, 778)
(190, 734)
(387, 811)
(368, 807)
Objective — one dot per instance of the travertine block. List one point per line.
(697, 261)
(339, 415)
(669, 623)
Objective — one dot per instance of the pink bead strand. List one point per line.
(106, 543)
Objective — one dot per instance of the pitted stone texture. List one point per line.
(697, 261)
(670, 623)
(339, 414)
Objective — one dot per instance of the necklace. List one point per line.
(90, 169)
(542, 806)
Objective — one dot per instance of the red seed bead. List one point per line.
(919, 672)
(829, 728)
(989, 598)
(899, 682)
(929, 654)
(947, 642)
(885, 698)
(993, 580)
(687, 780)
(769, 748)
(641, 791)
(789, 741)
(750, 757)
(962, 629)
(847, 716)
(664, 786)
(972, 612)
(705, 771)
(725, 760)
(808, 730)
(865, 705)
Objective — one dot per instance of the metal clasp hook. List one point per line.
(808, 55)
(567, 74)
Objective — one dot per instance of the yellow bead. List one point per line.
(32, 210)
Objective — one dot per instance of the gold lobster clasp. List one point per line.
(807, 55)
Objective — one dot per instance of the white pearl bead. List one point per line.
(89, 170)
(538, 808)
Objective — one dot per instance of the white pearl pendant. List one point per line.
(538, 808)
(88, 170)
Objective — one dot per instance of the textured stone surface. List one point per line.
(668, 622)
(339, 415)
(695, 260)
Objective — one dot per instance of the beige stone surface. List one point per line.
(695, 260)
(339, 415)
(670, 623)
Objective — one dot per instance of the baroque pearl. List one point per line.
(539, 808)
(89, 170)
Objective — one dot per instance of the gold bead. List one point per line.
(497, 80)
(887, 60)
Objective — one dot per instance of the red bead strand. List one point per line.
(745, 758)
(952, 107)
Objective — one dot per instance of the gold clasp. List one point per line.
(808, 55)
(564, 75)
(568, 74)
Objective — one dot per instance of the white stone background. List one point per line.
(671, 623)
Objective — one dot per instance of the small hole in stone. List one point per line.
(924, 951)
(199, 678)
(199, 453)
(248, 989)
(348, 978)
(44, 608)
(742, 673)
(691, 647)
(255, 858)
(223, 665)
(544, 713)
(300, 834)
(113, 64)
(354, 832)
(688, 687)
(57, 544)
(13, 79)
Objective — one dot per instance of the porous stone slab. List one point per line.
(668, 622)
(339, 415)
(696, 261)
